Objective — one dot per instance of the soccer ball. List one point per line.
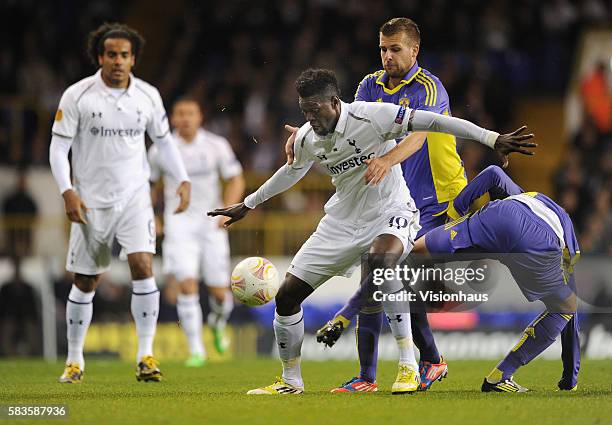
(255, 281)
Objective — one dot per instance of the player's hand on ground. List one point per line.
(74, 206)
(513, 142)
(234, 212)
(184, 193)
(378, 168)
(289, 145)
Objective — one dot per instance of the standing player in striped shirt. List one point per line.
(102, 119)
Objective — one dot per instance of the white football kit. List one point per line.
(357, 212)
(105, 129)
(193, 242)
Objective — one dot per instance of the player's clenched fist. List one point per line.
(74, 206)
(184, 193)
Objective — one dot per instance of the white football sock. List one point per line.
(145, 308)
(289, 332)
(398, 317)
(79, 310)
(190, 316)
(220, 311)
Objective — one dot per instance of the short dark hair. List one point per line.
(96, 39)
(317, 82)
(405, 25)
(187, 98)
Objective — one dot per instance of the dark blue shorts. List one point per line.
(510, 232)
(428, 220)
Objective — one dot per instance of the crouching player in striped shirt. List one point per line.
(531, 235)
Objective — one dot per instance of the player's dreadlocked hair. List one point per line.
(317, 82)
(96, 38)
(405, 25)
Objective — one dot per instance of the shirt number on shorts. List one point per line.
(399, 222)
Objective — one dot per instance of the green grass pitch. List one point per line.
(215, 394)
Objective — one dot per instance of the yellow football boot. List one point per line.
(279, 387)
(407, 380)
(72, 374)
(147, 370)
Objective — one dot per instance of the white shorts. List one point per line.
(131, 222)
(336, 249)
(194, 246)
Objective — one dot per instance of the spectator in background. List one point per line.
(597, 237)
(20, 212)
(19, 317)
(486, 54)
(587, 141)
(597, 98)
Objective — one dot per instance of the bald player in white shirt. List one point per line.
(196, 245)
(103, 119)
(381, 220)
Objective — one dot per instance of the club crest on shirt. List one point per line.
(59, 115)
(353, 143)
(404, 101)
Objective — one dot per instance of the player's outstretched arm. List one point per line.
(490, 179)
(392, 121)
(504, 144)
(282, 180)
(234, 212)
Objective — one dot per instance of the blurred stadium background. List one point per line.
(547, 64)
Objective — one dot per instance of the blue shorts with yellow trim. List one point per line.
(510, 232)
(428, 219)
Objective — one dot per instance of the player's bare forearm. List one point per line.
(157, 191)
(378, 168)
(184, 193)
(234, 190)
(289, 144)
(234, 212)
(406, 148)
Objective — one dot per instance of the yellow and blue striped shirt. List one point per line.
(435, 173)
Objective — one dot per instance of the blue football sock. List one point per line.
(368, 330)
(570, 352)
(537, 337)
